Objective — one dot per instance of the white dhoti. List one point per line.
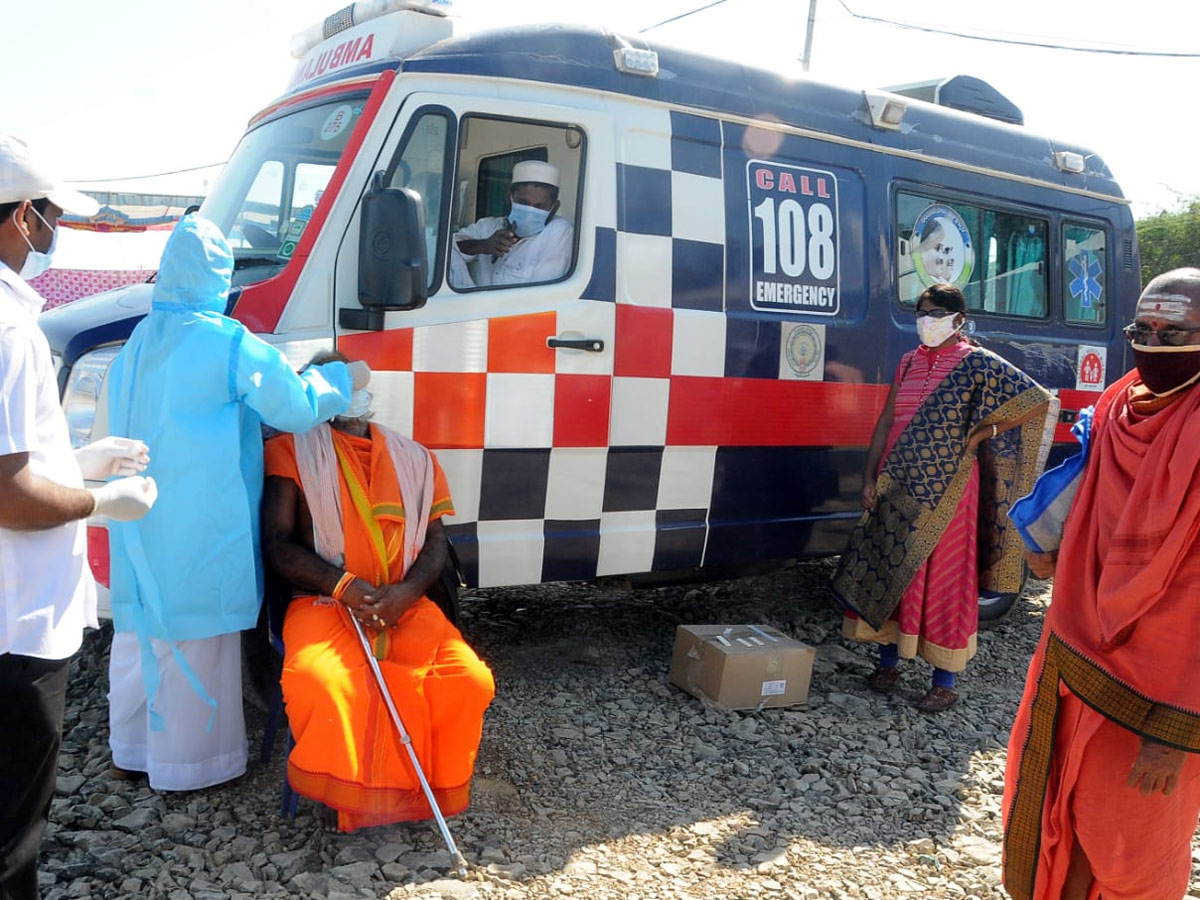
(185, 755)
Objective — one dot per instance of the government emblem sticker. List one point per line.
(802, 353)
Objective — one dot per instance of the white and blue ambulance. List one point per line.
(696, 392)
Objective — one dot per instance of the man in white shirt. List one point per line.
(531, 245)
(47, 595)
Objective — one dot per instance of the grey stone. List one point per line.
(492, 855)
(176, 823)
(291, 863)
(138, 820)
(415, 860)
(449, 889)
(237, 872)
(510, 871)
(394, 871)
(66, 785)
(313, 883)
(358, 874)
(390, 852)
(585, 867)
(353, 853)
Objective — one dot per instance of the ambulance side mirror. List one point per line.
(392, 268)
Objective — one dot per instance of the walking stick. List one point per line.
(459, 863)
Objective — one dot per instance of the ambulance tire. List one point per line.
(994, 607)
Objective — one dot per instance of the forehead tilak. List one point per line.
(1164, 305)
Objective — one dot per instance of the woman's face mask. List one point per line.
(527, 221)
(37, 261)
(934, 332)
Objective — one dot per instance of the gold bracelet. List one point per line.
(343, 583)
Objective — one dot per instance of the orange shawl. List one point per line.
(1121, 632)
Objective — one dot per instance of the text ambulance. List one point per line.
(698, 389)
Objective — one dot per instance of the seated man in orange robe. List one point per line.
(1102, 791)
(352, 520)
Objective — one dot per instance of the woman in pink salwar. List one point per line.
(911, 574)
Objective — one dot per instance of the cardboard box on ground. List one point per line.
(741, 666)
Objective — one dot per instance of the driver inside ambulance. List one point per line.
(530, 245)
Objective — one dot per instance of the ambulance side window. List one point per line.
(1085, 271)
(517, 196)
(421, 166)
(997, 258)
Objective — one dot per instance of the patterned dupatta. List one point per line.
(923, 479)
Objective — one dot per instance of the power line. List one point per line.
(690, 12)
(1168, 54)
(140, 177)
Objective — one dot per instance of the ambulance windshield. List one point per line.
(267, 192)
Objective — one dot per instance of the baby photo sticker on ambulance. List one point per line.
(943, 253)
(337, 121)
(793, 222)
(1089, 368)
(802, 352)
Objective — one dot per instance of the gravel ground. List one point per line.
(597, 780)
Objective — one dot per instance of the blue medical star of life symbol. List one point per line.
(1085, 285)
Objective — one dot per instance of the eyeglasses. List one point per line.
(1168, 335)
(938, 313)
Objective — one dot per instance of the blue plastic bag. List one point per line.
(1040, 514)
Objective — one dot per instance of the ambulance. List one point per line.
(695, 391)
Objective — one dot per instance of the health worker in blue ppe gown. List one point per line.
(530, 245)
(197, 386)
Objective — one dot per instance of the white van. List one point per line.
(696, 390)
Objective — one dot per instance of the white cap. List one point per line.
(22, 179)
(535, 171)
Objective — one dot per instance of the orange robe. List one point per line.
(1115, 664)
(347, 754)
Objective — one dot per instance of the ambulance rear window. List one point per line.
(1085, 274)
(997, 257)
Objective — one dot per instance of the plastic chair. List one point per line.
(276, 596)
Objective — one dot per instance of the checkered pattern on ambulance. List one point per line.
(678, 449)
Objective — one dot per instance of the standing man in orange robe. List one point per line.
(352, 520)
(1102, 791)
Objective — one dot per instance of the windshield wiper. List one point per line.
(247, 262)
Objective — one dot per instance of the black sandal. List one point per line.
(938, 699)
(884, 679)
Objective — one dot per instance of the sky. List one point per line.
(122, 88)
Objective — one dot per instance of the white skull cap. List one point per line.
(535, 171)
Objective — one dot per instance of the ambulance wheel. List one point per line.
(994, 607)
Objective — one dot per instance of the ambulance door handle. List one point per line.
(592, 345)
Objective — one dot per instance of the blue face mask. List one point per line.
(37, 262)
(527, 221)
(360, 404)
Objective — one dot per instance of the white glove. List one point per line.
(360, 374)
(125, 499)
(112, 456)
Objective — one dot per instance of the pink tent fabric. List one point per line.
(61, 286)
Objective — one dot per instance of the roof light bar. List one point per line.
(356, 14)
(1068, 161)
(886, 110)
(636, 62)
